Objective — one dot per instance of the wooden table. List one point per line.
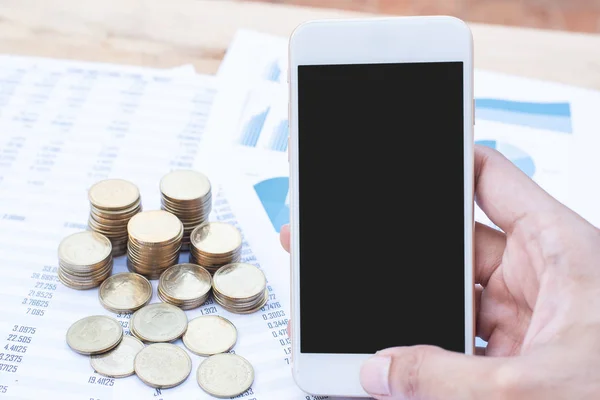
(167, 33)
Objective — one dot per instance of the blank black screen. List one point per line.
(381, 206)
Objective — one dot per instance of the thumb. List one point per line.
(429, 373)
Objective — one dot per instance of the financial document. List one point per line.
(549, 130)
(64, 126)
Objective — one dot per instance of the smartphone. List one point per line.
(381, 193)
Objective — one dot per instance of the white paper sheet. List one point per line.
(64, 126)
(551, 131)
(255, 56)
(47, 62)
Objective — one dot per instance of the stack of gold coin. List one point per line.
(214, 244)
(154, 242)
(186, 286)
(188, 195)
(112, 204)
(125, 292)
(240, 288)
(84, 260)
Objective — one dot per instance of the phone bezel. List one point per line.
(364, 41)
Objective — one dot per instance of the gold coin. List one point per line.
(216, 238)
(245, 307)
(118, 363)
(185, 282)
(192, 209)
(101, 215)
(109, 224)
(154, 227)
(162, 365)
(154, 254)
(240, 281)
(125, 292)
(225, 375)
(84, 249)
(86, 275)
(185, 185)
(159, 322)
(80, 285)
(113, 194)
(94, 335)
(210, 334)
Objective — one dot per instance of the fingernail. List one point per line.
(374, 375)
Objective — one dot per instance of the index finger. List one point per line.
(505, 193)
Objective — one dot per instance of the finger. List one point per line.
(489, 248)
(504, 193)
(284, 237)
(478, 293)
(427, 372)
(484, 323)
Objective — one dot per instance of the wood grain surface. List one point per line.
(168, 33)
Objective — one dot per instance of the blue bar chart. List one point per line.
(273, 71)
(279, 138)
(253, 128)
(555, 117)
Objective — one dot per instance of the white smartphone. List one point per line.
(381, 193)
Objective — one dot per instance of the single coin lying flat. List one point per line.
(118, 363)
(162, 365)
(225, 375)
(94, 335)
(158, 322)
(210, 334)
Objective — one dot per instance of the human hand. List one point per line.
(537, 304)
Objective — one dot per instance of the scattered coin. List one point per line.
(84, 260)
(225, 375)
(118, 363)
(158, 322)
(214, 244)
(162, 365)
(154, 242)
(94, 335)
(125, 292)
(188, 195)
(210, 334)
(186, 286)
(112, 204)
(240, 288)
